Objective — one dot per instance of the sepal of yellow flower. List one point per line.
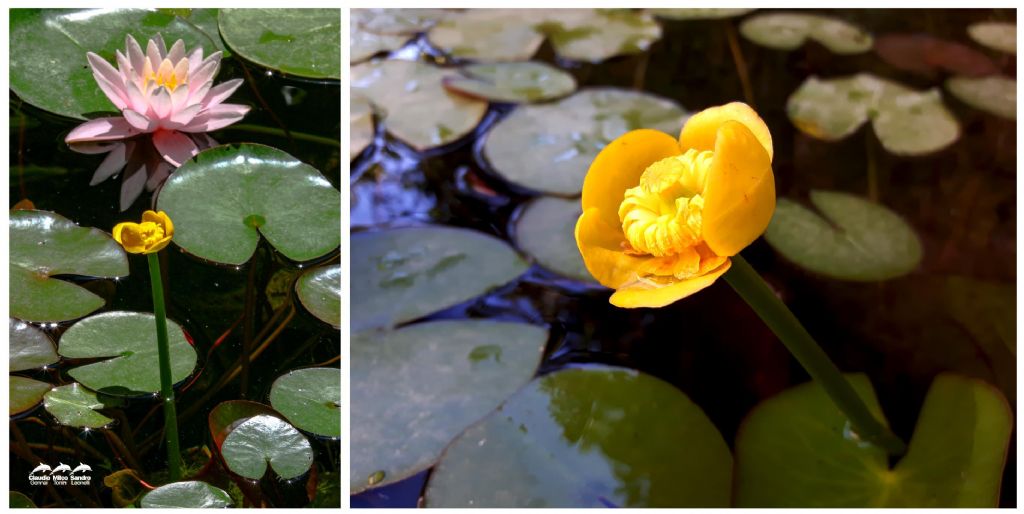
(150, 236)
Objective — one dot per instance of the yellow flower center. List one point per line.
(662, 215)
(150, 233)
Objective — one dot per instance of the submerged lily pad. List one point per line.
(994, 94)
(319, 290)
(29, 347)
(927, 55)
(907, 122)
(415, 106)
(997, 35)
(593, 35)
(44, 245)
(700, 13)
(851, 239)
(512, 82)
(310, 398)
(302, 42)
(416, 388)
(24, 394)
(593, 437)
(361, 129)
(788, 31)
(129, 338)
(798, 450)
(224, 198)
(264, 439)
(192, 494)
(545, 230)
(549, 147)
(488, 35)
(402, 274)
(75, 406)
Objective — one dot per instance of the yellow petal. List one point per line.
(643, 294)
(160, 218)
(157, 246)
(701, 129)
(128, 234)
(600, 245)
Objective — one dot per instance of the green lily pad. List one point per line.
(788, 31)
(402, 274)
(851, 239)
(994, 94)
(397, 21)
(319, 290)
(545, 230)
(310, 398)
(363, 45)
(25, 393)
(997, 35)
(48, 68)
(700, 13)
(415, 106)
(130, 339)
(75, 406)
(224, 198)
(414, 389)
(19, 501)
(549, 147)
(186, 495)
(488, 35)
(301, 42)
(907, 122)
(44, 245)
(593, 35)
(264, 439)
(797, 450)
(361, 129)
(512, 82)
(30, 348)
(593, 437)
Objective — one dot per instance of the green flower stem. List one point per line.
(301, 136)
(753, 289)
(166, 384)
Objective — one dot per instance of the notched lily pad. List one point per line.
(788, 31)
(997, 35)
(264, 439)
(994, 94)
(29, 347)
(24, 394)
(319, 290)
(310, 399)
(302, 42)
(545, 230)
(512, 82)
(75, 406)
(186, 495)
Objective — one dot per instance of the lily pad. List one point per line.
(25, 393)
(415, 106)
(129, 338)
(361, 129)
(264, 439)
(797, 450)
(18, 500)
(907, 122)
(548, 148)
(224, 198)
(319, 290)
(994, 94)
(593, 437)
(927, 55)
(75, 406)
(186, 495)
(397, 21)
(700, 13)
(788, 31)
(30, 348)
(44, 245)
(416, 388)
(310, 398)
(513, 82)
(851, 239)
(363, 45)
(301, 42)
(48, 68)
(545, 231)
(488, 35)
(593, 35)
(997, 35)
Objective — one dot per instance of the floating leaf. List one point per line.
(75, 406)
(416, 388)
(997, 35)
(787, 31)
(24, 394)
(364, 45)
(44, 245)
(545, 230)
(228, 415)
(361, 129)
(129, 338)
(20, 501)
(302, 42)
(700, 13)
(397, 21)
(851, 239)
(488, 35)
(593, 437)
(319, 290)
(264, 439)
(186, 495)
(549, 147)
(224, 198)
(402, 274)
(927, 55)
(310, 399)
(30, 348)
(416, 107)
(798, 450)
(593, 35)
(995, 94)
(512, 82)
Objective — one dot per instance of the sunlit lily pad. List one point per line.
(29, 347)
(994, 94)
(310, 398)
(788, 31)
(319, 290)
(699, 13)
(129, 338)
(361, 129)
(44, 245)
(797, 450)
(593, 35)
(75, 406)
(997, 35)
(574, 130)
(223, 199)
(302, 42)
(851, 239)
(186, 495)
(416, 388)
(363, 45)
(397, 21)
(488, 35)
(907, 122)
(24, 394)
(18, 500)
(414, 104)
(262, 440)
(402, 274)
(512, 82)
(545, 230)
(593, 437)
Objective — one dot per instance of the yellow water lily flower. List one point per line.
(661, 217)
(150, 236)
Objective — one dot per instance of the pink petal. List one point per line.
(154, 55)
(101, 129)
(221, 92)
(158, 175)
(216, 117)
(160, 45)
(135, 55)
(108, 79)
(131, 186)
(114, 162)
(195, 58)
(175, 147)
(183, 117)
(179, 99)
(92, 148)
(177, 51)
(204, 141)
(139, 121)
(124, 68)
(136, 100)
(160, 101)
(196, 95)
(205, 72)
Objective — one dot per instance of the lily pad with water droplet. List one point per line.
(994, 94)
(301, 42)
(218, 198)
(488, 35)
(591, 437)
(700, 13)
(545, 230)
(402, 274)
(262, 440)
(416, 388)
(24, 394)
(798, 450)
(851, 239)
(30, 348)
(549, 147)
(75, 406)
(513, 82)
(789, 31)
(997, 35)
(44, 245)
(319, 290)
(129, 340)
(186, 495)
(593, 35)
(361, 129)
(310, 398)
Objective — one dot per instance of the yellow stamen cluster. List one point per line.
(150, 233)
